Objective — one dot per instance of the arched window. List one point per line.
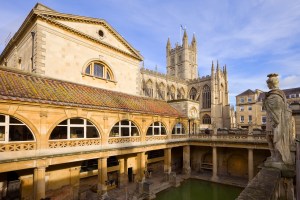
(178, 129)
(171, 93)
(12, 129)
(193, 93)
(157, 128)
(149, 89)
(124, 128)
(99, 70)
(74, 128)
(206, 119)
(161, 91)
(206, 97)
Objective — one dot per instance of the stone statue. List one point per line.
(279, 126)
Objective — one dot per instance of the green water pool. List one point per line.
(193, 189)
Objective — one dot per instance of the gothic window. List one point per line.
(171, 93)
(99, 70)
(157, 128)
(172, 61)
(74, 128)
(124, 128)
(12, 129)
(161, 91)
(178, 129)
(206, 97)
(149, 89)
(193, 93)
(179, 58)
(206, 119)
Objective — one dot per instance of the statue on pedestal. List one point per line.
(279, 123)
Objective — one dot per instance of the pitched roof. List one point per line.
(247, 92)
(49, 15)
(25, 87)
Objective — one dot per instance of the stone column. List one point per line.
(39, 183)
(123, 172)
(186, 161)
(250, 164)
(141, 158)
(75, 181)
(215, 163)
(102, 176)
(167, 160)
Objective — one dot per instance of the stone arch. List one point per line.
(140, 130)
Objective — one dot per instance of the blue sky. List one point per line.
(253, 38)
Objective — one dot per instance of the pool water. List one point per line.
(193, 189)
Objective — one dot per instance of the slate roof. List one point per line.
(247, 92)
(26, 87)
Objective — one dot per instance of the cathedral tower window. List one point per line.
(148, 90)
(157, 128)
(124, 128)
(99, 70)
(12, 129)
(74, 128)
(206, 97)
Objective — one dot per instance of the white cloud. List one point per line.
(291, 81)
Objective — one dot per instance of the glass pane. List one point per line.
(2, 118)
(134, 131)
(88, 123)
(156, 123)
(59, 132)
(65, 122)
(124, 122)
(2, 133)
(114, 132)
(124, 131)
(149, 131)
(91, 132)
(13, 120)
(108, 76)
(76, 121)
(19, 133)
(88, 70)
(183, 130)
(76, 132)
(163, 131)
(173, 131)
(156, 131)
(98, 70)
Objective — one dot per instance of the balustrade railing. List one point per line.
(156, 137)
(73, 143)
(121, 140)
(18, 146)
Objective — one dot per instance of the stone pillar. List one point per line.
(123, 172)
(141, 158)
(167, 160)
(186, 161)
(215, 163)
(250, 164)
(39, 183)
(102, 176)
(75, 181)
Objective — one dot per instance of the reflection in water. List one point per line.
(193, 189)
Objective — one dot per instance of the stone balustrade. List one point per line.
(17, 146)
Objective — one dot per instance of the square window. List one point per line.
(242, 100)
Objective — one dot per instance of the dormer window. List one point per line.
(98, 70)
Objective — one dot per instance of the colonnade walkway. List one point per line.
(159, 184)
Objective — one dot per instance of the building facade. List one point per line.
(250, 112)
(78, 113)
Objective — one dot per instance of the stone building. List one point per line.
(74, 116)
(249, 107)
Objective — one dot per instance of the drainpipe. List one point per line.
(32, 51)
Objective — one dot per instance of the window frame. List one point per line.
(153, 126)
(180, 128)
(106, 70)
(85, 125)
(242, 119)
(119, 125)
(6, 124)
